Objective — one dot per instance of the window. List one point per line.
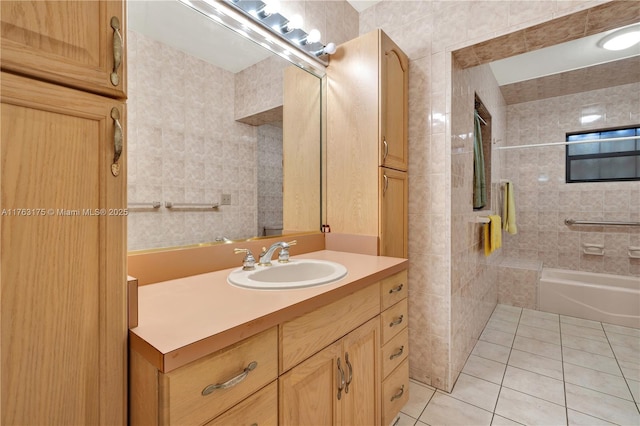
(604, 161)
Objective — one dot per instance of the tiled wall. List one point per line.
(259, 87)
(474, 277)
(184, 145)
(428, 31)
(543, 198)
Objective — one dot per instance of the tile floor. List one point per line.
(537, 368)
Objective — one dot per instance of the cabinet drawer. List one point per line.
(260, 408)
(395, 392)
(304, 336)
(181, 391)
(394, 352)
(393, 289)
(394, 320)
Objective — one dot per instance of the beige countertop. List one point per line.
(184, 319)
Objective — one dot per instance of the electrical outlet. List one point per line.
(225, 200)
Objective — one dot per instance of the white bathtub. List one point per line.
(607, 298)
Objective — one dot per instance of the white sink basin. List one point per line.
(294, 274)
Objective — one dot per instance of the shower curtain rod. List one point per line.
(537, 145)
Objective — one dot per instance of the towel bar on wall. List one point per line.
(199, 206)
(570, 222)
(151, 205)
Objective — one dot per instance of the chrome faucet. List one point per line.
(283, 257)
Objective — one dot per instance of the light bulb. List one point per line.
(271, 7)
(294, 23)
(330, 48)
(314, 36)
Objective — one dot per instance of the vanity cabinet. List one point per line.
(63, 265)
(332, 363)
(75, 43)
(367, 122)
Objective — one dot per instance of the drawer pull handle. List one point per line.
(350, 376)
(396, 321)
(118, 44)
(396, 289)
(398, 394)
(397, 354)
(341, 379)
(231, 382)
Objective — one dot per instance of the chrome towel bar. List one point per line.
(151, 205)
(200, 206)
(570, 222)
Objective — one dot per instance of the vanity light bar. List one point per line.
(244, 24)
(265, 13)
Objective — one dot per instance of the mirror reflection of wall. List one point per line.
(202, 123)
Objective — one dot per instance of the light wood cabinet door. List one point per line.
(362, 361)
(63, 244)
(394, 194)
(66, 41)
(394, 105)
(340, 385)
(308, 393)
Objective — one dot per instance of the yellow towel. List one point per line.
(492, 235)
(509, 210)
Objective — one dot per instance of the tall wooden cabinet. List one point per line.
(367, 117)
(63, 219)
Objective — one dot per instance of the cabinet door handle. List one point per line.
(231, 382)
(118, 46)
(396, 289)
(398, 394)
(385, 144)
(350, 376)
(396, 321)
(397, 354)
(386, 184)
(341, 380)
(117, 141)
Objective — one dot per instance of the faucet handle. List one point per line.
(283, 256)
(249, 262)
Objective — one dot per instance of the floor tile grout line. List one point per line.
(633, 398)
(426, 405)
(564, 378)
(504, 373)
(593, 369)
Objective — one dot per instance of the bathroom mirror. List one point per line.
(210, 114)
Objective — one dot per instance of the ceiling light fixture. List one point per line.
(621, 39)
